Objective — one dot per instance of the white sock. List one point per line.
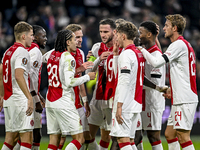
(103, 145)
(24, 148)
(102, 148)
(127, 147)
(191, 147)
(93, 145)
(140, 146)
(187, 146)
(17, 146)
(134, 147)
(4, 147)
(157, 147)
(173, 144)
(73, 145)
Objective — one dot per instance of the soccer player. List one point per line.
(101, 109)
(79, 90)
(128, 96)
(34, 77)
(62, 116)
(39, 42)
(18, 102)
(181, 57)
(153, 101)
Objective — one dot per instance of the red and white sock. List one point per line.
(74, 144)
(140, 146)
(17, 146)
(7, 146)
(60, 147)
(187, 146)
(173, 144)
(52, 147)
(125, 146)
(133, 146)
(36, 146)
(25, 146)
(93, 145)
(103, 145)
(157, 145)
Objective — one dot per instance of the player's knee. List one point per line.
(105, 137)
(183, 136)
(166, 135)
(153, 136)
(138, 137)
(37, 135)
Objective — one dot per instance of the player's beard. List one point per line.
(42, 46)
(168, 36)
(109, 39)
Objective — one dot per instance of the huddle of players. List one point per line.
(119, 96)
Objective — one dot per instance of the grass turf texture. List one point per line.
(146, 144)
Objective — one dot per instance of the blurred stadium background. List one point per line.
(55, 15)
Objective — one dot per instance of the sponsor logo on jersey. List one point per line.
(177, 124)
(32, 122)
(168, 53)
(125, 67)
(35, 64)
(73, 63)
(24, 61)
(9, 53)
(138, 123)
(149, 125)
(80, 122)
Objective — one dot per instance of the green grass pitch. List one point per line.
(146, 145)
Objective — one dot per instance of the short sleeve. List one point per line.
(175, 50)
(95, 49)
(124, 60)
(22, 58)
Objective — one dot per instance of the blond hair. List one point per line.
(73, 27)
(20, 28)
(177, 20)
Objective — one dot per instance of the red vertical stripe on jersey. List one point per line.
(55, 87)
(192, 65)
(79, 61)
(99, 90)
(140, 73)
(7, 74)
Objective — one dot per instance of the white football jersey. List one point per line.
(153, 99)
(182, 71)
(61, 70)
(36, 66)
(181, 57)
(130, 81)
(15, 57)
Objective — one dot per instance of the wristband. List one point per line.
(84, 99)
(33, 93)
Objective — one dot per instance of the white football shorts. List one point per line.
(182, 116)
